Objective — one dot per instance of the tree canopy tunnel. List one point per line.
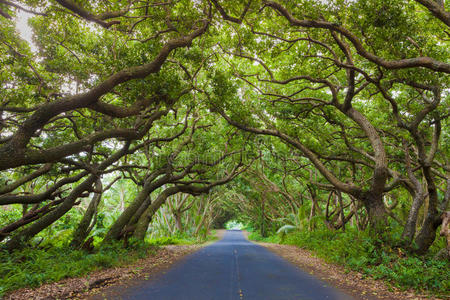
(121, 119)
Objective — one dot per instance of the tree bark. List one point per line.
(427, 233)
(114, 233)
(409, 230)
(144, 220)
(84, 227)
(178, 222)
(19, 240)
(376, 212)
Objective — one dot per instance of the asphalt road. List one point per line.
(234, 269)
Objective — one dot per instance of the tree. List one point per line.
(180, 97)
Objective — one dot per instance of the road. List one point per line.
(233, 269)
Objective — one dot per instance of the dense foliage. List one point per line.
(125, 120)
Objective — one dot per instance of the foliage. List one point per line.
(180, 239)
(30, 267)
(372, 257)
(233, 224)
(151, 123)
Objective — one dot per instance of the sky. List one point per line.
(23, 28)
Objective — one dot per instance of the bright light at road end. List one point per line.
(24, 29)
(234, 225)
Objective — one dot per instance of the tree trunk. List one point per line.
(114, 233)
(312, 213)
(142, 225)
(134, 220)
(84, 227)
(18, 240)
(341, 209)
(178, 222)
(376, 212)
(262, 220)
(409, 230)
(427, 233)
(205, 213)
(144, 220)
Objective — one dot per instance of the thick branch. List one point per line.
(42, 115)
(11, 187)
(425, 62)
(437, 10)
(37, 198)
(72, 6)
(345, 187)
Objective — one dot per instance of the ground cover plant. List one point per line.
(374, 258)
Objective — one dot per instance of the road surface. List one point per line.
(233, 269)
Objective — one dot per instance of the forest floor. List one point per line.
(353, 283)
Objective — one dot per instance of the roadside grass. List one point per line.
(360, 252)
(32, 267)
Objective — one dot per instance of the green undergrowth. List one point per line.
(360, 252)
(32, 267)
(182, 239)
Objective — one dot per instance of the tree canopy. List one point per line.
(334, 109)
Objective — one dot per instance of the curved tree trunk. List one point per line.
(427, 234)
(178, 222)
(416, 190)
(142, 225)
(146, 217)
(128, 229)
(133, 221)
(409, 230)
(84, 227)
(116, 230)
(18, 240)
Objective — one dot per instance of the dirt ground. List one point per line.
(353, 283)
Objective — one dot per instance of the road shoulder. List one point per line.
(352, 283)
(104, 283)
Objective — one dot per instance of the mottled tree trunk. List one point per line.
(376, 212)
(409, 230)
(116, 230)
(427, 233)
(146, 217)
(135, 218)
(178, 222)
(263, 217)
(416, 190)
(312, 213)
(84, 227)
(142, 225)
